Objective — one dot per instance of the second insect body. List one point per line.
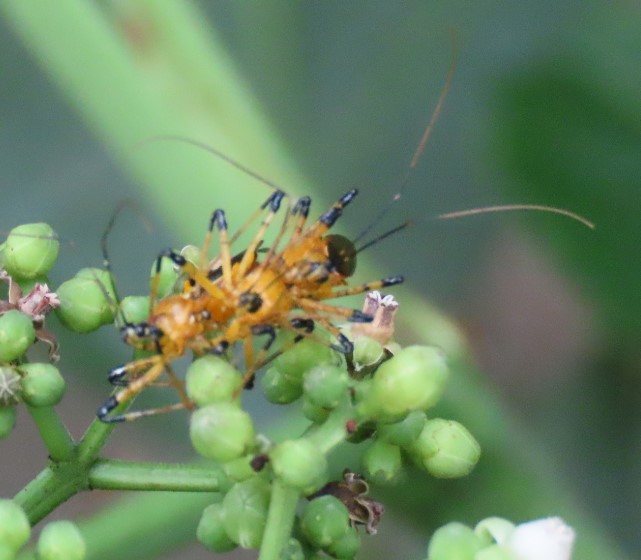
(257, 292)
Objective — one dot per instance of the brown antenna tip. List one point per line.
(516, 208)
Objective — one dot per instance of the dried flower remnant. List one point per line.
(39, 302)
(383, 309)
(352, 491)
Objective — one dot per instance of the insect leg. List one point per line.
(129, 392)
(328, 218)
(273, 203)
(353, 315)
(191, 271)
(118, 376)
(179, 385)
(366, 287)
(253, 364)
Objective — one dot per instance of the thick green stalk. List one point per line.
(333, 431)
(123, 475)
(53, 432)
(280, 520)
(52, 487)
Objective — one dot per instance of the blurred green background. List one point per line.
(321, 97)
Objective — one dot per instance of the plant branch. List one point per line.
(280, 520)
(54, 433)
(122, 475)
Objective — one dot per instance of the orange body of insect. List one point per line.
(236, 299)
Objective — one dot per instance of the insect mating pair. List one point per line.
(259, 291)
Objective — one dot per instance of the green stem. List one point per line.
(280, 520)
(54, 433)
(52, 487)
(122, 475)
(333, 431)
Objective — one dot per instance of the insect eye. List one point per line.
(342, 254)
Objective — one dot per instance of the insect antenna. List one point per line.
(383, 236)
(218, 153)
(106, 260)
(517, 208)
(421, 145)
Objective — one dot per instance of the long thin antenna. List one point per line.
(222, 155)
(517, 207)
(383, 236)
(423, 142)
(106, 261)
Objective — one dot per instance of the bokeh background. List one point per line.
(321, 97)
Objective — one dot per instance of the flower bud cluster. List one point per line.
(26, 256)
(495, 538)
(381, 395)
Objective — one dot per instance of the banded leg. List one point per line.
(262, 359)
(273, 202)
(197, 275)
(301, 211)
(251, 364)
(136, 386)
(313, 306)
(328, 218)
(366, 287)
(118, 375)
(129, 392)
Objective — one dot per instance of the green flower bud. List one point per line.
(314, 412)
(496, 552)
(14, 525)
(7, 420)
(87, 301)
(134, 309)
(30, 250)
(191, 253)
(325, 385)
(405, 432)
(279, 389)
(446, 449)
(42, 384)
(61, 540)
(211, 532)
(212, 379)
(347, 546)
(325, 521)
(302, 357)
(382, 460)
(221, 431)
(299, 463)
(293, 550)
(414, 379)
(239, 469)
(494, 529)
(453, 541)
(16, 335)
(244, 511)
(167, 279)
(6, 552)
(367, 351)
(10, 386)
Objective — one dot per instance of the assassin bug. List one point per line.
(234, 299)
(230, 300)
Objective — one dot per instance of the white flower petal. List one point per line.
(543, 539)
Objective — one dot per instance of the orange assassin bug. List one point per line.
(240, 298)
(236, 298)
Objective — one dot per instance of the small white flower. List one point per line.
(542, 539)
